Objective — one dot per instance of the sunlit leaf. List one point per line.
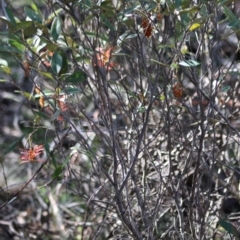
(194, 26)
(17, 44)
(189, 63)
(6, 69)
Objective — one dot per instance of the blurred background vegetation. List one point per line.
(119, 119)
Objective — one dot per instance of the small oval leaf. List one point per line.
(57, 62)
(56, 28)
(76, 77)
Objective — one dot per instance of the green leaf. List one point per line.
(131, 9)
(55, 115)
(12, 146)
(41, 114)
(141, 109)
(234, 24)
(50, 154)
(72, 90)
(124, 36)
(8, 23)
(229, 14)
(59, 169)
(64, 69)
(56, 28)
(9, 49)
(225, 88)
(33, 15)
(45, 93)
(160, 63)
(106, 22)
(25, 94)
(229, 228)
(10, 15)
(57, 62)
(24, 24)
(17, 44)
(190, 10)
(28, 27)
(93, 35)
(57, 172)
(76, 77)
(45, 74)
(203, 19)
(53, 15)
(189, 63)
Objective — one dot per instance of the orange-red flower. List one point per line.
(147, 27)
(103, 58)
(30, 155)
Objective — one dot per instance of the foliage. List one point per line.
(126, 116)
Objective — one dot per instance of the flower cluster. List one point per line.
(30, 155)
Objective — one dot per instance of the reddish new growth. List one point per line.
(147, 27)
(30, 155)
(103, 58)
(177, 90)
(26, 67)
(62, 104)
